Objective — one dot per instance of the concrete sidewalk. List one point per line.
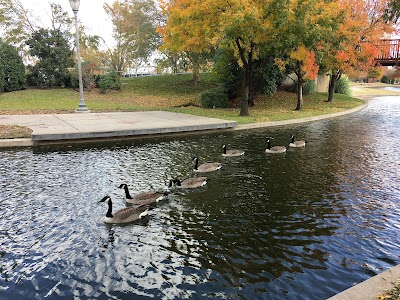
(54, 128)
(76, 126)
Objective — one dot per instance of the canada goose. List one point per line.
(296, 144)
(124, 215)
(207, 167)
(275, 149)
(233, 152)
(189, 183)
(143, 197)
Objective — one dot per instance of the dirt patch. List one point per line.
(14, 132)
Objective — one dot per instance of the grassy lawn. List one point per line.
(175, 93)
(172, 93)
(278, 107)
(143, 93)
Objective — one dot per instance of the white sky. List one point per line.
(91, 14)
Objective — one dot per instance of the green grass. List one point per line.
(278, 107)
(170, 93)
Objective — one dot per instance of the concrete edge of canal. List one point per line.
(28, 142)
(371, 288)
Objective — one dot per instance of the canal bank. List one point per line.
(83, 127)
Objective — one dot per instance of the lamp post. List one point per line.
(75, 8)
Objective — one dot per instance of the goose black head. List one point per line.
(196, 162)
(174, 181)
(122, 186)
(292, 138)
(105, 199)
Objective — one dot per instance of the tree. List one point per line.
(12, 69)
(392, 11)
(266, 76)
(353, 46)
(242, 26)
(134, 30)
(307, 24)
(54, 56)
(173, 47)
(16, 23)
(2, 75)
(171, 61)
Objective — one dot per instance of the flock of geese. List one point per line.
(141, 202)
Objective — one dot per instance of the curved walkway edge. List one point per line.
(299, 121)
(91, 126)
(371, 288)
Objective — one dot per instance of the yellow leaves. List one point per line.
(299, 54)
(198, 25)
(281, 64)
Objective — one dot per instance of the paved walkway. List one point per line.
(58, 127)
(83, 126)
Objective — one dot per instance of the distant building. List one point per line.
(141, 71)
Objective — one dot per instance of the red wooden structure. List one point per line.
(389, 53)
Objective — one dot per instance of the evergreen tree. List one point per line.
(54, 55)
(12, 69)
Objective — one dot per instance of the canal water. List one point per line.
(306, 224)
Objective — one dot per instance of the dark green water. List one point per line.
(302, 225)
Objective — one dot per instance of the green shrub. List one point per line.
(309, 87)
(12, 69)
(342, 86)
(385, 79)
(110, 81)
(266, 76)
(214, 98)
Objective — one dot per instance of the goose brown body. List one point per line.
(124, 215)
(206, 167)
(232, 152)
(189, 183)
(143, 197)
(275, 149)
(296, 144)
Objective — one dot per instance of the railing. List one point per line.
(389, 52)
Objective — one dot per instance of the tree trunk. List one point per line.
(331, 88)
(244, 104)
(196, 71)
(299, 94)
(332, 83)
(247, 60)
(300, 83)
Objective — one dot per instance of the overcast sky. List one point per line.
(91, 14)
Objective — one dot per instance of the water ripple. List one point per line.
(264, 227)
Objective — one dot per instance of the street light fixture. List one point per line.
(75, 8)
